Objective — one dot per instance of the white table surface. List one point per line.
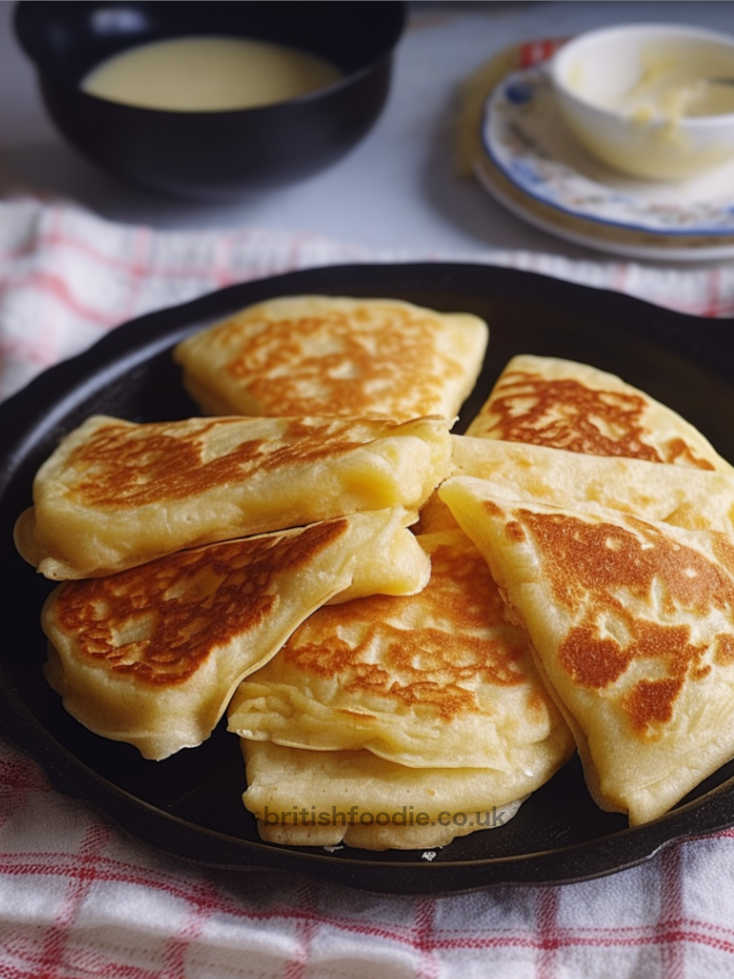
(397, 188)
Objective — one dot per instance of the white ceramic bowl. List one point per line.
(594, 74)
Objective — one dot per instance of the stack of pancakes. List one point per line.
(570, 582)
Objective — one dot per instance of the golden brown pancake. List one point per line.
(324, 798)
(632, 622)
(151, 655)
(435, 680)
(115, 494)
(565, 405)
(320, 355)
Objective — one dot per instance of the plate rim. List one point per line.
(708, 813)
(587, 239)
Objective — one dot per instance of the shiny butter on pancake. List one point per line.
(152, 655)
(116, 494)
(632, 622)
(566, 405)
(321, 355)
(694, 498)
(324, 798)
(435, 680)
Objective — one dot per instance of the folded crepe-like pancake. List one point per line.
(566, 405)
(431, 681)
(323, 355)
(694, 498)
(632, 622)
(324, 798)
(116, 494)
(151, 655)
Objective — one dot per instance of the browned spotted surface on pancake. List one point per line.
(434, 646)
(340, 362)
(128, 466)
(597, 571)
(159, 622)
(563, 413)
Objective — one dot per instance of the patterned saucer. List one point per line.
(592, 234)
(525, 139)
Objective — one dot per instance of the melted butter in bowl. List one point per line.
(209, 74)
(644, 98)
(673, 87)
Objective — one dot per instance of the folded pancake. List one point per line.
(323, 798)
(152, 655)
(694, 498)
(323, 355)
(632, 622)
(565, 405)
(436, 680)
(115, 494)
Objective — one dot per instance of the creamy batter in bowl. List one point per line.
(650, 100)
(218, 141)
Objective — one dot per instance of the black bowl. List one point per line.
(212, 154)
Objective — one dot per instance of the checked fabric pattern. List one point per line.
(67, 277)
(79, 898)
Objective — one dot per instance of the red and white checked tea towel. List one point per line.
(66, 276)
(79, 899)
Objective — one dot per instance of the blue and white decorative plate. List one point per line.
(525, 137)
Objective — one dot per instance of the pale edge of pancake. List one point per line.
(213, 402)
(697, 499)
(391, 836)
(306, 798)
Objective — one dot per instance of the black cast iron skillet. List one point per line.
(189, 805)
